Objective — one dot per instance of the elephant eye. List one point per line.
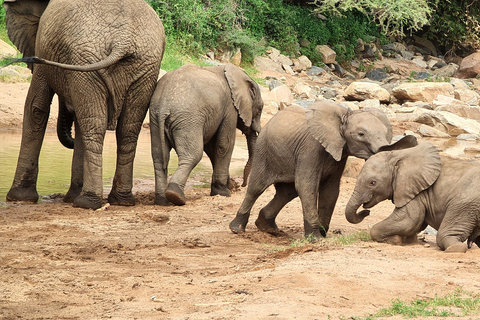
(361, 134)
(373, 182)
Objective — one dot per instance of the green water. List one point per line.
(55, 162)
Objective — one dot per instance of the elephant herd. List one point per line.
(102, 59)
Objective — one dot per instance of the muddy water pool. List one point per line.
(55, 162)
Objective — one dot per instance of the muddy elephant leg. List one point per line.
(35, 118)
(285, 192)
(189, 148)
(220, 150)
(457, 225)
(257, 184)
(406, 221)
(76, 183)
(161, 158)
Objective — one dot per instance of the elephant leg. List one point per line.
(90, 114)
(220, 150)
(457, 225)
(327, 198)
(127, 132)
(76, 183)
(285, 192)
(189, 148)
(257, 184)
(35, 118)
(406, 221)
(161, 156)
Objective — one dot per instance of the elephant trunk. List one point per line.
(351, 209)
(251, 140)
(64, 127)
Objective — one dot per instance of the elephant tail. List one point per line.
(115, 56)
(160, 145)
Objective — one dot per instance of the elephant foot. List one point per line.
(29, 194)
(121, 198)
(160, 200)
(72, 193)
(219, 188)
(314, 232)
(239, 223)
(457, 247)
(88, 200)
(175, 194)
(267, 225)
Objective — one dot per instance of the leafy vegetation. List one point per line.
(194, 27)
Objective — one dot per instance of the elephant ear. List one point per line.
(245, 92)
(416, 169)
(324, 120)
(383, 118)
(407, 141)
(21, 19)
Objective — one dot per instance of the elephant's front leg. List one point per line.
(220, 150)
(328, 191)
(35, 118)
(403, 223)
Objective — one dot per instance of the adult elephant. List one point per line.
(196, 109)
(303, 153)
(102, 59)
(427, 189)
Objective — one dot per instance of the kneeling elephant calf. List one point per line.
(427, 189)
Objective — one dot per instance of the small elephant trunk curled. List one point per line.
(251, 140)
(351, 210)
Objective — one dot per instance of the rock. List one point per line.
(264, 63)
(420, 62)
(457, 107)
(469, 67)
(369, 104)
(425, 43)
(427, 131)
(305, 62)
(328, 55)
(288, 69)
(236, 59)
(468, 96)
(366, 90)
(302, 90)
(377, 74)
(447, 71)
(281, 94)
(418, 104)
(315, 71)
(423, 91)
(7, 50)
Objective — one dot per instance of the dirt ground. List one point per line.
(150, 262)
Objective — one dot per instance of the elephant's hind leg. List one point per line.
(457, 225)
(36, 112)
(285, 192)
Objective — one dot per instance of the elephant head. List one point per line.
(21, 19)
(247, 99)
(338, 129)
(399, 175)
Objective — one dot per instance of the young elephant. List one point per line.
(427, 189)
(303, 153)
(196, 109)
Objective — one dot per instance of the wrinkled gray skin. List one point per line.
(427, 189)
(303, 153)
(196, 109)
(102, 59)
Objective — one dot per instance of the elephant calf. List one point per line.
(303, 153)
(427, 189)
(196, 109)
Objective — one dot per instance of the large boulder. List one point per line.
(469, 67)
(422, 91)
(366, 90)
